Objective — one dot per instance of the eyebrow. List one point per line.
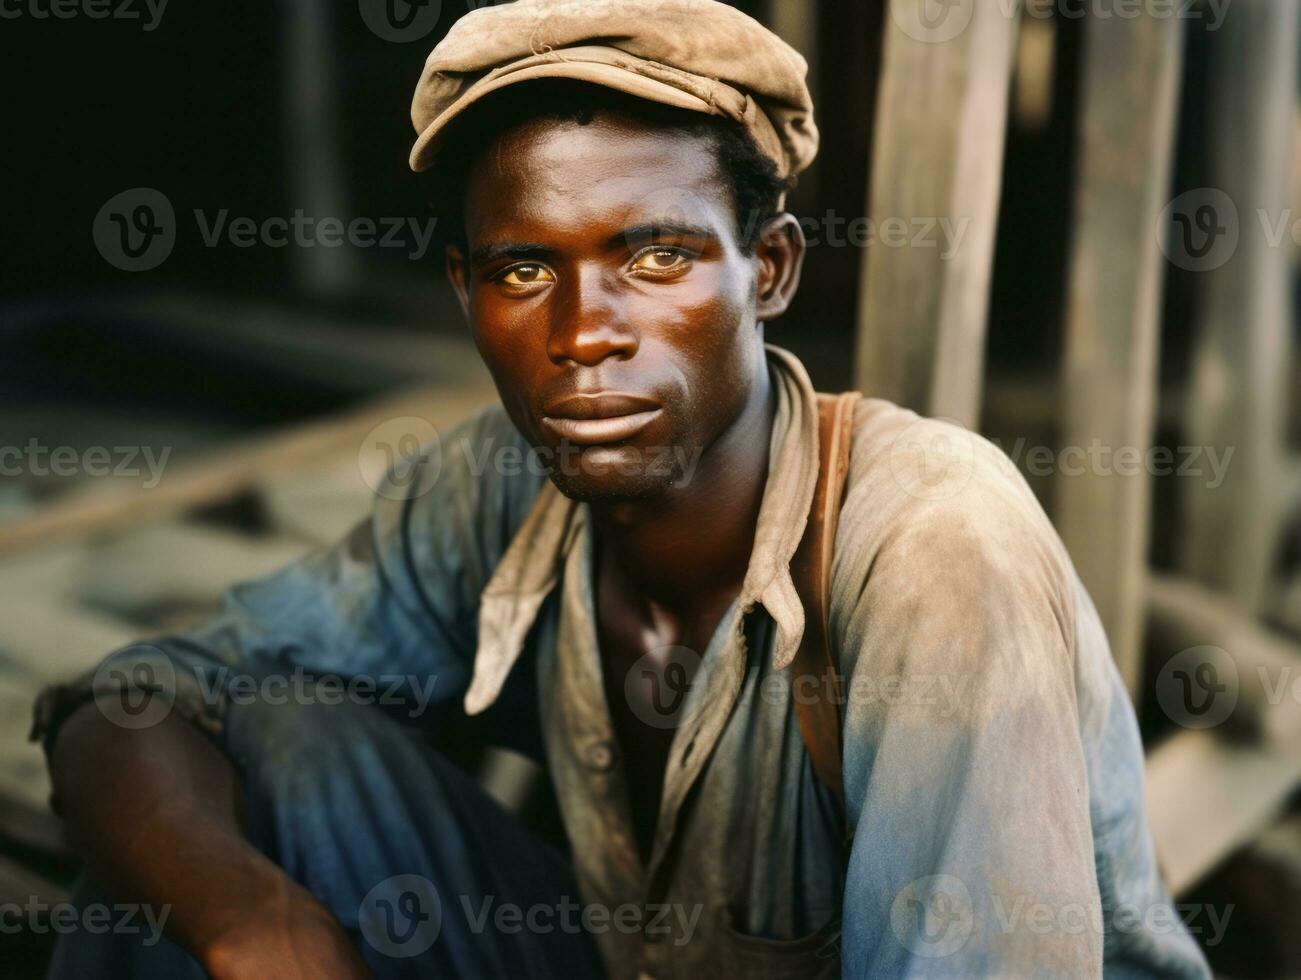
(663, 229)
(523, 250)
(648, 232)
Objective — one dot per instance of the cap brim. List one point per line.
(431, 140)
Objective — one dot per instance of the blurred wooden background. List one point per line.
(1125, 178)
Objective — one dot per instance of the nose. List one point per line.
(587, 325)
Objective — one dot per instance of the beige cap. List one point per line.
(694, 54)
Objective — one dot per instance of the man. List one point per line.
(625, 612)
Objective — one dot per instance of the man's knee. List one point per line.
(310, 737)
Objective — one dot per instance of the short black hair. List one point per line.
(756, 186)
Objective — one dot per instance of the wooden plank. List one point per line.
(938, 145)
(1183, 614)
(1238, 395)
(1130, 84)
(1207, 796)
(1210, 790)
(235, 469)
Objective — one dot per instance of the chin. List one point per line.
(611, 474)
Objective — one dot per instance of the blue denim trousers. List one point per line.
(429, 875)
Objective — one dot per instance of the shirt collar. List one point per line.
(531, 566)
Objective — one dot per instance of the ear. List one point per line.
(780, 257)
(457, 276)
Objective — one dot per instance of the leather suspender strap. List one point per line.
(814, 676)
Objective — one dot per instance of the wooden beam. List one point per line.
(1130, 83)
(1267, 664)
(1210, 791)
(941, 121)
(233, 470)
(1238, 395)
(1207, 796)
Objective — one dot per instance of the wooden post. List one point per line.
(941, 120)
(1131, 72)
(1238, 395)
(312, 146)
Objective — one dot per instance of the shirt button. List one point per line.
(600, 756)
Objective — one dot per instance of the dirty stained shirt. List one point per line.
(992, 765)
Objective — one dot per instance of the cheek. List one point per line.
(510, 357)
(703, 327)
(717, 335)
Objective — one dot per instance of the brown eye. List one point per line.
(661, 260)
(527, 275)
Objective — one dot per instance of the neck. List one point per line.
(688, 546)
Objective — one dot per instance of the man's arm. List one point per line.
(993, 769)
(155, 807)
(156, 815)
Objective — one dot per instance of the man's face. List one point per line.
(609, 298)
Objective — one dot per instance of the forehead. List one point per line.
(570, 176)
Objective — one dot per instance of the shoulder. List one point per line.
(939, 527)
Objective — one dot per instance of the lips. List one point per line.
(601, 417)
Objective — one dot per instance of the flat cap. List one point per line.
(694, 54)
